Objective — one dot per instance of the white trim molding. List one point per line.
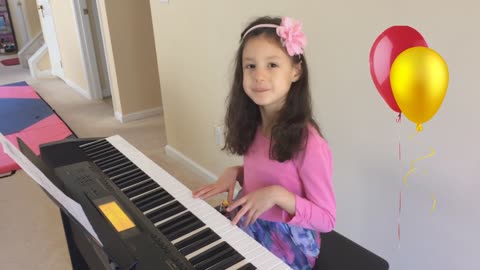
(76, 87)
(177, 155)
(30, 48)
(33, 63)
(124, 118)
(87, 48)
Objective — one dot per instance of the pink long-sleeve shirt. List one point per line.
(308, 175)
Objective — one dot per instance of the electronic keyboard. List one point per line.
(144, 217)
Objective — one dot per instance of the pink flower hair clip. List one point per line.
(290, 33)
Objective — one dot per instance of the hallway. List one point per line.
(31, 231)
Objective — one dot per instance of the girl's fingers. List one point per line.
(236, 204)
(255, 216)
(197, 190)
(210, 193)
(201, 191)
(239, 215)
(230, 194)
(249, 217)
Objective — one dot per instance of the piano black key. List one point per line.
(141, 188)
(184, 230)
(127, 176)
(216, 259)
(198, 244)
(102, 162)
(134, 185)
(165, 211)
(226, 263)
(115, 163)
(108, 168)
(93, 146)
(180, 225)
(126, 182)
(89, 146)
(176, 221)
(99, 149)
(103, 153)
(118, 172)
(247, 266)
(208, 254)
(152, 193)
(150, 203)
(196, 237)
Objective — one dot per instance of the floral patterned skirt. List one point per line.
(296, 246)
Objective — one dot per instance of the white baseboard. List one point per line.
(204, 173)
(76, 87)
(34, 59)
(45, 74)
(124, 118)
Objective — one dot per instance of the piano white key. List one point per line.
(247, 247)
(251, 249)
(267, 263)
(182, 195)
(256, 257)
(238, 265)
(200, 212)
(193, 206)
(205, 248)
(219, 223)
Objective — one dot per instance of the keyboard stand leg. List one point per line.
(78, 262)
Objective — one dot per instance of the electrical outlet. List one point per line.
(219, 137)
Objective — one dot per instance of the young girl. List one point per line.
(287, 196)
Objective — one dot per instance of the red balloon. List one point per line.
(385, 49)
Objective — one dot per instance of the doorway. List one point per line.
(98, 43)
(8, 42)
(50, 37)
(93, 48)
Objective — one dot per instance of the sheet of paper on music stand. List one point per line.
(70, 205)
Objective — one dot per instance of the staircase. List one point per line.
(30, 48)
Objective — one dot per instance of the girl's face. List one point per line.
(268, 72)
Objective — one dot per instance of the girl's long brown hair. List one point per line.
(290, 130)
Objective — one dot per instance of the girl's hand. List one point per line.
(254, 204)
(225, 183)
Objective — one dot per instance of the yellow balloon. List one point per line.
(419, 80)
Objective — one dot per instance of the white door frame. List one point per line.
(87, 48)
(50, 37)
(22, 21)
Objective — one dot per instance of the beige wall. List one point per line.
(44, 63)
(69, 43)
(196, 41)
(30, 8)
(131, 55)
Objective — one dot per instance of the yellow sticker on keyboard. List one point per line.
(116, 216)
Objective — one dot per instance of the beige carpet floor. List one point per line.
(31, 231)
